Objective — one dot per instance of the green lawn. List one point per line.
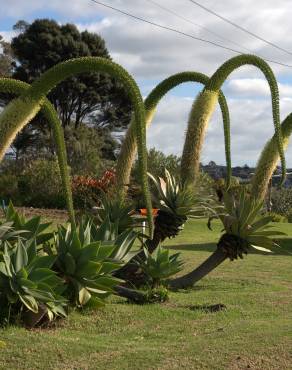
(253, 332)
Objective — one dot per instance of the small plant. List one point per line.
(27, 283)
(29, 229)
(117, 213)
(159, 266)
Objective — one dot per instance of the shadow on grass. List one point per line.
(285, 248)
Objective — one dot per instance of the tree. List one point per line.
(6, 60)
(43, 44)
(158, 162)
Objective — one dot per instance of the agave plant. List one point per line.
(87, 258)
(29, 229)
(244, 228)
(116, 212)
(175, 203)
(159, 265)
(27, 282)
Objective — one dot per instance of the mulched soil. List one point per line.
(54, 215)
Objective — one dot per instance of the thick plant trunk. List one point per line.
(131, 294)
(131, 272)
(204, 269)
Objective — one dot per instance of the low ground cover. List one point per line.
(238, 317)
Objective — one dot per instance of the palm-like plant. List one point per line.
(176, 203)
(244, 228)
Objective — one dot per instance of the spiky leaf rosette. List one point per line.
(244, 226)
(176, 203)
(160, 265)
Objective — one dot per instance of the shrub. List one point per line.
(276, 217)
(9, 188)
(40, 185)
(282, 201)
(87, 190)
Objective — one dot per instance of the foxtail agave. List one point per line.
(20, 111)
(129, 146)
(244, 228)
(204, 106)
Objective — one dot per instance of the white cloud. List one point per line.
(153, 54)
(255, 87)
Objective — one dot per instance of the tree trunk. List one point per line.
(204, 269)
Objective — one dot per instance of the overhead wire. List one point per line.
(198, 25)
(240, 27)
(181, 32)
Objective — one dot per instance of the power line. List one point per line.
(198, 25)
(240, 27)
(181, 32)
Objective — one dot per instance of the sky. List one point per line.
(151, 54)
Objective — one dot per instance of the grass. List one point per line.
(253, 332)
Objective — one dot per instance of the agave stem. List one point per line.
(129, 147)
(205, 104)
(16, 87)
(268, 160)
(21, 110)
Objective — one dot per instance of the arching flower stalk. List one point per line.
(204, 106)
(23, 109)
(198, 121)
(17, 88)
(166, 224)
(269, 159)
(129, 147)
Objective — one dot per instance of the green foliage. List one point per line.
(172, 197)
(27, 282)
(32, 229)
(276, 217)
(159, 265)
(9, 187)
(6, 61)
(18, 88)
(117, 213)
(21, 110)
(157, 162)
(85, 264)
(282, 201)
(40, 185)
(78, 97)
(244, 226)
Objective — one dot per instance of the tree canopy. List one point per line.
(44, 43)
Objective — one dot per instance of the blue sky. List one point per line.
(151, 54)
